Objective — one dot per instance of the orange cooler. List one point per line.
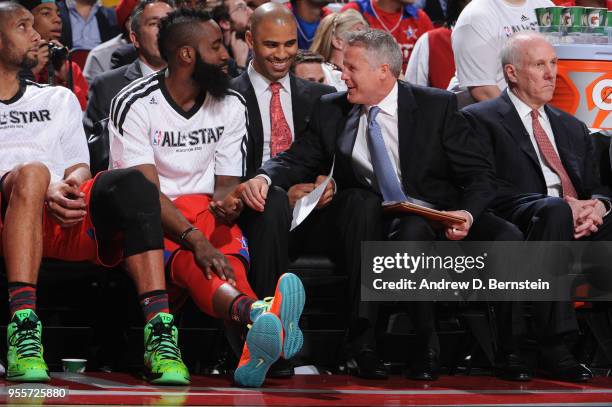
(584, 83)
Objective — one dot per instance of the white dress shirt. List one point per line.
(144, 68)
(553, 182)
(261, 85)
(388, 121)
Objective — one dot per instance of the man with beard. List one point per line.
(51, 207)
(233, 18)
(400, 18)
(185, 130)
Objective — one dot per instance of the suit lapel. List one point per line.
(563, 141)
(512, 122)
(347, 134)
(133, 72)
(255, 126)
(300, 95)
(406, 106)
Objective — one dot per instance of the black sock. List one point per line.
(240, 310)
(153, 303)
(21, 296)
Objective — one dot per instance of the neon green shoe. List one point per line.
(25, 351)
(162, 358)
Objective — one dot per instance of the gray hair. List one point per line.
(136, 15)
(512, 52)
(381, 46)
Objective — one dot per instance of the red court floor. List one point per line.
(315, 390)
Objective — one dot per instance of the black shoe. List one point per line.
(425, 367)
(576, 373)
(367, 365)
(560, 364)
(511, 367)
(281, 369)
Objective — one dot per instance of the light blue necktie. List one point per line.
(388, 181)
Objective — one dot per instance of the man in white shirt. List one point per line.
(186, 131)
(481, 31)
(547, 183)
(51, 207)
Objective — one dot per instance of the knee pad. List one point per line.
(131, 203)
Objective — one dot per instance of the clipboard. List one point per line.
(393, 208)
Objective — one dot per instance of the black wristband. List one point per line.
(187, 232)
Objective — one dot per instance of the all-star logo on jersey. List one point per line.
(169, 138)
(20, 118)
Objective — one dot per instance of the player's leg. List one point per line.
(124, 201)
(219, 299)
(23, 195)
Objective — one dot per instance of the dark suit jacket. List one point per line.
(107, 24)
(104, 88)
(441, 162)
(304, 94)
(506, 142)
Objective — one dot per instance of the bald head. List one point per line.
(274, 13)
(517, 45)
(530, 67)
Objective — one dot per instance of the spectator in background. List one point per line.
(400, 18)
(233, 18)
(49, 25)
(308, 14)
(99, 59)
(308, 65)
(86, 23)
(481, 31)
(436, 10)
(329, 42)
(433, 62)
(144, 28)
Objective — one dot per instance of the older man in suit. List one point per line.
(547, 185)
(144, 28)
(392, 141)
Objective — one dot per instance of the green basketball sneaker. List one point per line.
(25, 350)
(162, 358)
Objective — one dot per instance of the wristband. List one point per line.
(187, 232)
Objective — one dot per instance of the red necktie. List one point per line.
(551, 157)
(280, 134)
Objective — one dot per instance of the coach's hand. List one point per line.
(298, 191)
(458, 230)
(66, 202)
(254, 193)
(329, 192)
(212, 260)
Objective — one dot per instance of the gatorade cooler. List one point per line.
(584, 83)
